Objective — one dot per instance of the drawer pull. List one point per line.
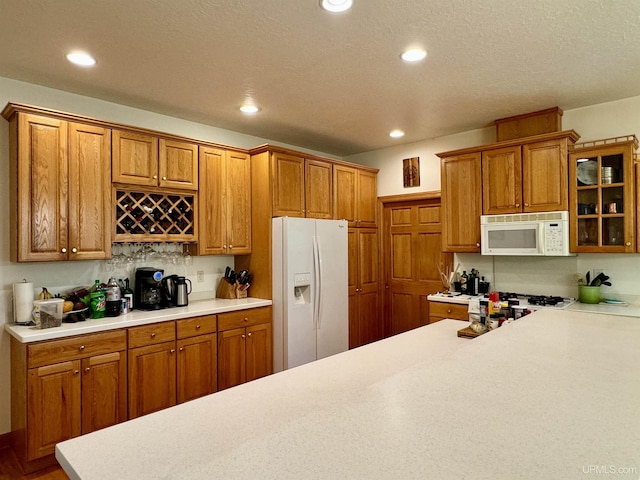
(74, 250)
(197, 327)
(153, 335)
(246, 319)
(81, 347)
(64, 250)
(87, 370)
(449, 310)
(76, 372)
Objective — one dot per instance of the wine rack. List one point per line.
(154, 216)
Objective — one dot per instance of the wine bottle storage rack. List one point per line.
(154, 216)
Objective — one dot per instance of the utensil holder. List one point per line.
(589, 294)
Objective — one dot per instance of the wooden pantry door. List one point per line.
(412, 249)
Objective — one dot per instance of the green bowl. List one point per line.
(589, 294)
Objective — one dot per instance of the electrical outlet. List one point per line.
(200, 276)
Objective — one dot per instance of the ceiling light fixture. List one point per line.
(413, 55)
(396, 134)
(336, 6)
(249, 109)
(82, 59)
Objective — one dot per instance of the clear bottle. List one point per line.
(114, 298)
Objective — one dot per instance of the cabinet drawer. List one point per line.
(190, 327)
(448, 310)
(152, 334)
(57, 351)
(244, 318)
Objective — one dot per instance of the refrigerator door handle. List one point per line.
(317, 278)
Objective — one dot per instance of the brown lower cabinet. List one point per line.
(64, 388)
(441, 310)
(244, 346)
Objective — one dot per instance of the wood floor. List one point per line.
(10, 469)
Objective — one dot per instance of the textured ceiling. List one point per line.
(333, 83)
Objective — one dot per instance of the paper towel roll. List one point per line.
(23, 296)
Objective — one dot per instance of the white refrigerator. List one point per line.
(310, 290)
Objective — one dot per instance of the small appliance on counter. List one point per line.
(182, 292)
(148, 291)
(168, 291)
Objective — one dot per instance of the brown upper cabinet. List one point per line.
(461, 195)
(301, 187)
(61, 208)
(141, 159)
(527, 177)
(603, 193)
(224, 202)
(355, 196)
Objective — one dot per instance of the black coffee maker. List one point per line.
(148, 292)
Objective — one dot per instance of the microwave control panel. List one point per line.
(556, 238)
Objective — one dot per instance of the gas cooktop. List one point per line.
(538, 301)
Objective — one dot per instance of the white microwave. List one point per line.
(542, 234)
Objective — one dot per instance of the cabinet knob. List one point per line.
(517, 204)
(173, 350)
(230, 246)
(86, 370)
(74, 250)
(243, 335)
(164, 178)
(64, 250)
(181, 349)
(224, 246)
(153, 335)
(628, 244)
(81, 347)
(526, 204)
(478, 244)
(248, 334)
(197, 327)
(155, 177)
(76, 372)
(246, 319)
(448, 310)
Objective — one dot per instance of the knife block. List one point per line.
(226, 289)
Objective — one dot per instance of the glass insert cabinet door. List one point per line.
(602, 195)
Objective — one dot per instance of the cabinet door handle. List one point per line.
(246, 319)
(224, 246)
(517, 204)
(197, 327)
(526, 204)
(76, 372)
(74, 250)
(243, 335)
(81, 347)
(182, 349)
(628, 244)
(164, 178)
(153, 335)
(478, 244)
(173, 350)
(248, 334)
(86, 370)
(448, 310)
(155, 177)
(230, 246)
(64, 250)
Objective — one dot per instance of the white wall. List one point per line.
(521, 274)
(58, 276)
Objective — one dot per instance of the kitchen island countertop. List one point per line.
(551, 396)
(27, 334)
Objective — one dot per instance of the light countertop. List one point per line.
(548, 396)
(137, 317)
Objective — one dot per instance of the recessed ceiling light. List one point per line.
(336, 5)
(396, 133)
(81, 58)
(413, 55)
(249, 108)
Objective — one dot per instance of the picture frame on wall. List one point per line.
(411, 172)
